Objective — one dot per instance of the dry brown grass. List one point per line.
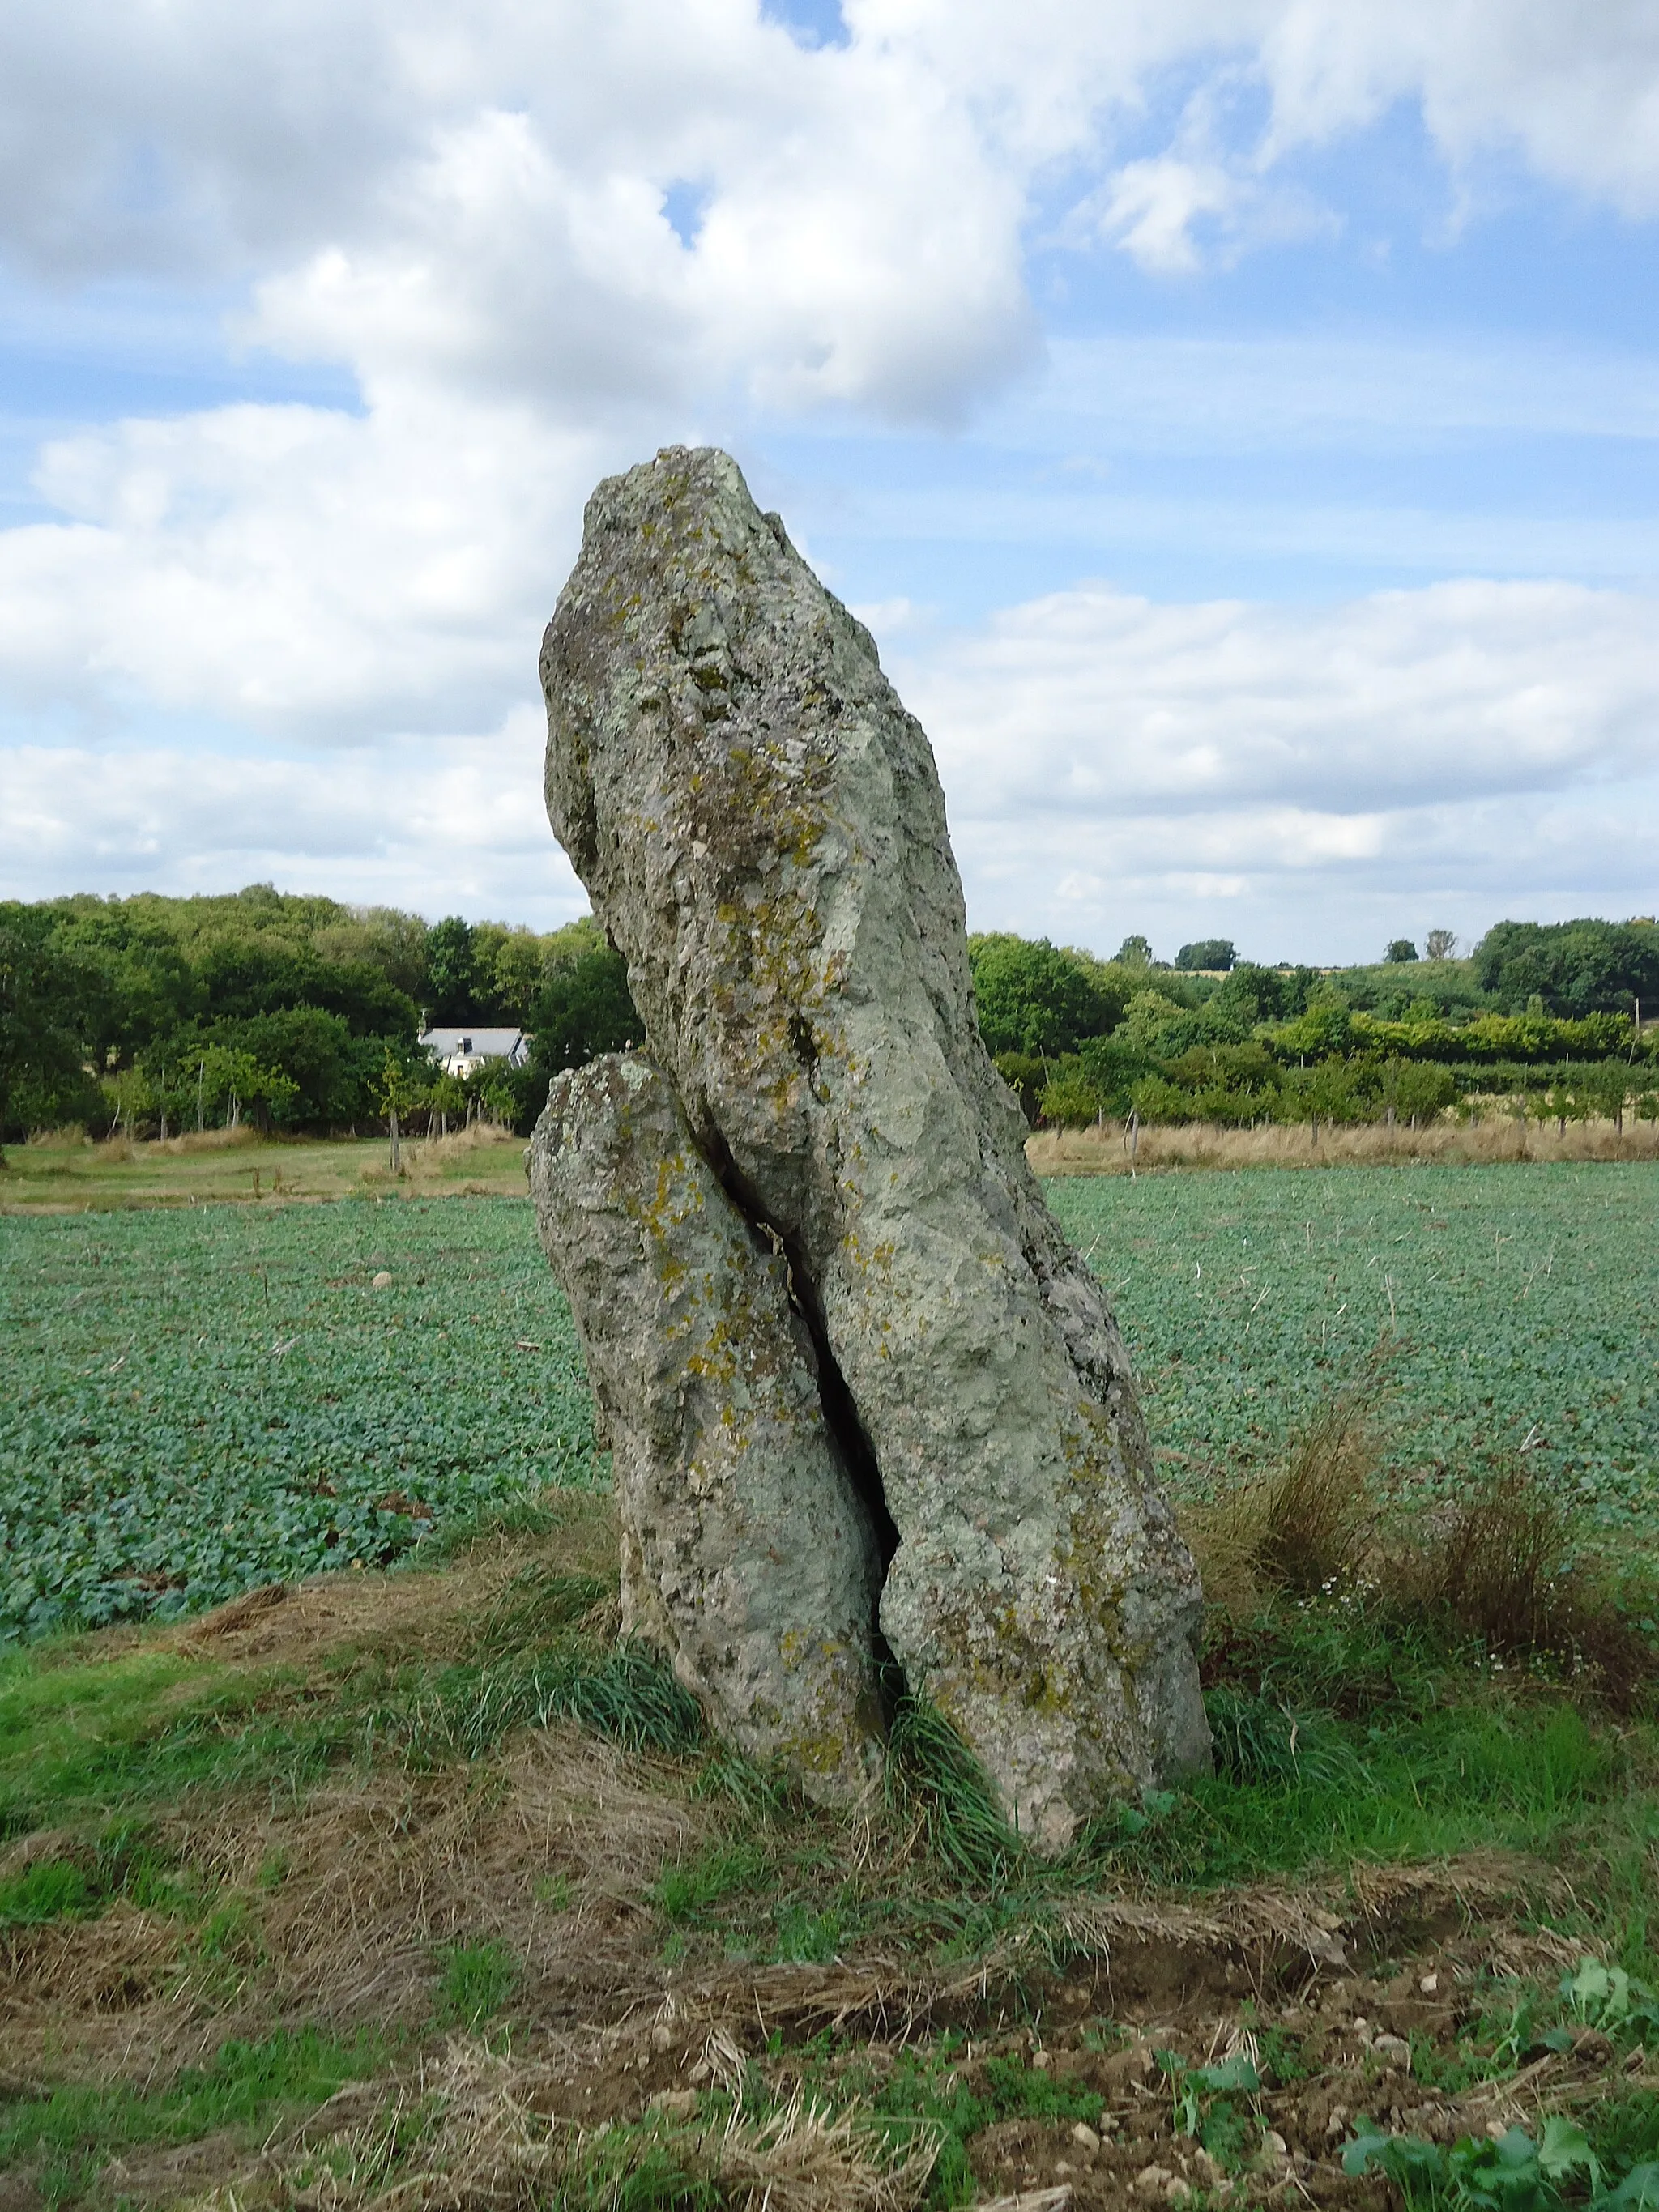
(348, 1897)
(1498, 1564)
(1506, 1568)
(1308, 1524)
(479, 2130)
(304, 1627)
(1448, 1142)
(437, 1160)
(568, 2117)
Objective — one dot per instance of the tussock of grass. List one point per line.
(477, 1980)
(1508, 1568)
(1500, 1562)
(626, 1693)
(73, 1882)
(1306, 1526)
(934, 1785)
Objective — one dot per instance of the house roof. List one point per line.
(481, 1043)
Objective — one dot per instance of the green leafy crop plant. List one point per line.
(193, 1403)
(1516, 1309)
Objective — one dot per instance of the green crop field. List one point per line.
(191, 1403)
(1516, 1308)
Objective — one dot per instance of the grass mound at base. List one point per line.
(358, 1825)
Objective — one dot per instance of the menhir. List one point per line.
(760, 825)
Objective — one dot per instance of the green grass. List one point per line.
(193, 1403)
(90, 1738)
(478, 1978)
(123, 1860)
(926, 2085)
(143, 1375)
(71, 1752)
(70, 2133)
(1339, 1740)
(1521, 1303)
(687, 1892)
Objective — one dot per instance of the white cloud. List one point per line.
(1153, 205)
(1104, 758)
(298, 570)
(468, 210)
(438, 823)
(1310, 783)
(1091, 702)
(482, 192)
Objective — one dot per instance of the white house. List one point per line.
(461, 1052)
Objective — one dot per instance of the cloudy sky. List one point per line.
(1237, 420)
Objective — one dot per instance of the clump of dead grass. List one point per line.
(1497, 1563)
(1307, 1525)
(1506, 1567)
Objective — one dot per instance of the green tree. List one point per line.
(515, 963)
(1417, 1090)
(1033, 997)
(1400, 949)
(1209, 952)
(398, 1093)
(1573, 968)
(449, 970)
(1069, 1100)
(1606, 1089)
(43, 1079)
(1255, 995)
(1134, 953)
(1025, 1074)
(583, 1009)
(231, 1082)
(446, 1096)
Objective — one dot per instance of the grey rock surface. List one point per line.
(760, 828)
(747, 1555)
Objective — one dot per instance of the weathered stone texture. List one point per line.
(747, 1555)
(760, 828)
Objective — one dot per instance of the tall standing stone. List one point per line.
(760, 826)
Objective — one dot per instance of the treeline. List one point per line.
(291, 1013)
(1543, 1017)
(157, 1015)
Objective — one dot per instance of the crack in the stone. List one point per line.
(841, 1413)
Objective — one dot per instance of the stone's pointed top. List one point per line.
(760, 825)
(680, 477)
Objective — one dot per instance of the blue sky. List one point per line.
(1238, 422)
